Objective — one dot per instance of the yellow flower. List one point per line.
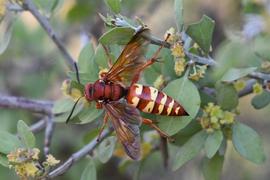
(146, 149)
(67, 90)
(265, 66)
(257, 88)
(36, 152)
(173, 36)
(51, 161)
(178, 50)
(102, 72)
(179, 66)
(239, 85)
(159, 82)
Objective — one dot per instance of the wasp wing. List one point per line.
(127, 65)
(126, 121)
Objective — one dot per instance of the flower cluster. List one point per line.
(198, 72)
(239, 85)
(26, 165)
(159, 82)
(214, 118)
(70, 91)
(257, 88)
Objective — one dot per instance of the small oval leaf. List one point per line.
(106, 148)
(261, 100)
(201, 32)
(117, 35)
(89, 172)
(213, 143)
(8, 142)
(227, 96)
(189, 150)
(237, 73)
(114, 5)
(186, 93)
(212, 168)
(25, 135)
(248, 143)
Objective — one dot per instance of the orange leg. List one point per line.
(108, 55)
(98, 105)
(152, 124)
(105, 121)
(149, 62)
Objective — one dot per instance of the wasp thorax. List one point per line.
(88, 91)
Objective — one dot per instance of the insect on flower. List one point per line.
(119, 94)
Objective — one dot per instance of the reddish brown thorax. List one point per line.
(102, 91)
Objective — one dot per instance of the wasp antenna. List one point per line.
(72, 110)
(77, 72)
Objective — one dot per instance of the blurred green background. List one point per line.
(33, 67)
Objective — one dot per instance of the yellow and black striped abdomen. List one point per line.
(150, 100)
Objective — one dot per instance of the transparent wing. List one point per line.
(126, 121)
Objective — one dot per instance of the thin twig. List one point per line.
(38, 126)
(48, 134)
(78, 155)
(37, 106)
(30, 6)
(260, 75)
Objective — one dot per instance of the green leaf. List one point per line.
(202, 32)
(89, 114)
(62, 105)
(89, 172)
(89, 136)
(189, 150)
(179, 14)
(248, 143)
(212, 168)
(237, 73)
(213, 143)
(101, 58)
(8, 142)
(46, 7)
(227, 96)
(62, 111)
(261, 100)
(6, 26)
(4, 160)
(114, 5)
(84, 77)
(117, 35)
(261, 46)
(186, 93)
(25, 135)
(86, 62)
(106, 148)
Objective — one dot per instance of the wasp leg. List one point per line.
(149, 62)
(105, 121)
(110, 62)
(152, 124)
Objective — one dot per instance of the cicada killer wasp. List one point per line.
(119, 94)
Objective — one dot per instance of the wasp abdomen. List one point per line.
(151, 100)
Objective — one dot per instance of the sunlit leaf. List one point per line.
(202, 32)
(86, 63)
(117, 35)
(26, 136)
(186, 93)
(237, 73)
(189, 150)
(114, 5)
(89, 172)
(213, 143)
(179, 14)
(106, 148)
(248, 143)
(8, 142)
